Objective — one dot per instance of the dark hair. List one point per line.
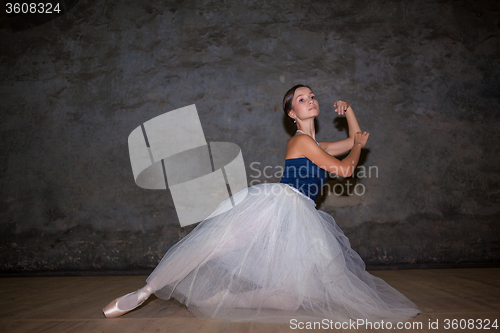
(288, 99)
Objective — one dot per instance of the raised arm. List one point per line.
(344, 168)
(352, 123)
(342, 146)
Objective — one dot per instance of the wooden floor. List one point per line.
(73, 304)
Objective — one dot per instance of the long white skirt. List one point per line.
(273, 258)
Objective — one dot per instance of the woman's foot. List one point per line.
(127, 303)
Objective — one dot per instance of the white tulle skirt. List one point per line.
(273, 258)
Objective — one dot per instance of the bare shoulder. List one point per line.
(295, 146)
(294, 140)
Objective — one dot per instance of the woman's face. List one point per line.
(304, 104)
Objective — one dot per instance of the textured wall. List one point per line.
(422, 76)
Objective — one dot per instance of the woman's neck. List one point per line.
(311, 133)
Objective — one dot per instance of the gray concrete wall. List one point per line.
(422, 76)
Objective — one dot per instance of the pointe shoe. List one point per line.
(112, 310)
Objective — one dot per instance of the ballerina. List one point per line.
(275, 257)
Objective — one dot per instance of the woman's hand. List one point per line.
(341, 107)
(361, 138)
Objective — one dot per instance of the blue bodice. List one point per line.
(305, 176)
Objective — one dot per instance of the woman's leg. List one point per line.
(252, 299)
(193, 253)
